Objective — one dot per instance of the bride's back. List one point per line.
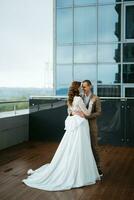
(76, 104)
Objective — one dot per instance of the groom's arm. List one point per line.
(97, 110)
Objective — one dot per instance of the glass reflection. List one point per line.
(85, 24)
(128, 73)
(129, 22)
(109, 1)
(84, 53)
(108, 90)
(84, 2)
(85, 71)
(128, 52)
(62, 91)
(64, 3)
(64, 54)
(109, 24)
(109, 74)
(109, 53)
(64, 26)
(129, 92)
(64, 75)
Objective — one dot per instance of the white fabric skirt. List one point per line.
(73, 164)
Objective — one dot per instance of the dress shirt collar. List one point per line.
(90, 94)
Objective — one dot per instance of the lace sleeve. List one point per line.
(83, 107)
(69, 111)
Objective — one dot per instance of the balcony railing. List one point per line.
(14, 107)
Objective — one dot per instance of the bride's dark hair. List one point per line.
(73, 91)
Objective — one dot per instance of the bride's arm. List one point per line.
(83, 108)
(69, 111)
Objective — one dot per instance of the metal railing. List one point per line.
(13, 106)
(65, 97)
(38, 103)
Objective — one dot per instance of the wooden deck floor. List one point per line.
(118, 166)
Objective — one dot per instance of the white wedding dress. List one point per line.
(73, 164)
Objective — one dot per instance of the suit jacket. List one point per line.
(96, 111)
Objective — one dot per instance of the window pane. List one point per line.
(64, 26)
(109, 53)
(109, 1)
(85, 53)
(109, 74)
(62, 91)
(129, 92)
(64, 75)
(108, 90)
(85, 24)
(85, 71)
(64, 54)
(128, 52)
(64, 3)
(109, 26)
(128, 73)
(129, 22)
(84, 2)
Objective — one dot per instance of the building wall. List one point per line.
(14, 130)
(94, 39)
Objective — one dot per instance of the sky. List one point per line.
(26, 36)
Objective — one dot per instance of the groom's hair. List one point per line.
(87, 81)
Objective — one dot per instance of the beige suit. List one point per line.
(92, 119)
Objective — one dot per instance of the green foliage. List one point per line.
(19, 94)
(11, 106)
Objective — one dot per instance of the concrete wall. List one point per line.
(14, 130)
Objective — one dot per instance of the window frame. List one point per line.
(124, 35)
(127, 85)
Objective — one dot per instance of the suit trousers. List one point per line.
(94, 140)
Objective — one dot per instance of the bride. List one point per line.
(73, 164)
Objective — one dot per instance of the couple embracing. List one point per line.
(76, 162)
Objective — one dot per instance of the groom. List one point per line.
(92, 119)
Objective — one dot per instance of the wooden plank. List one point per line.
(117, 162)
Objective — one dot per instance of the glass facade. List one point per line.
(94, 39)
(129, 29)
